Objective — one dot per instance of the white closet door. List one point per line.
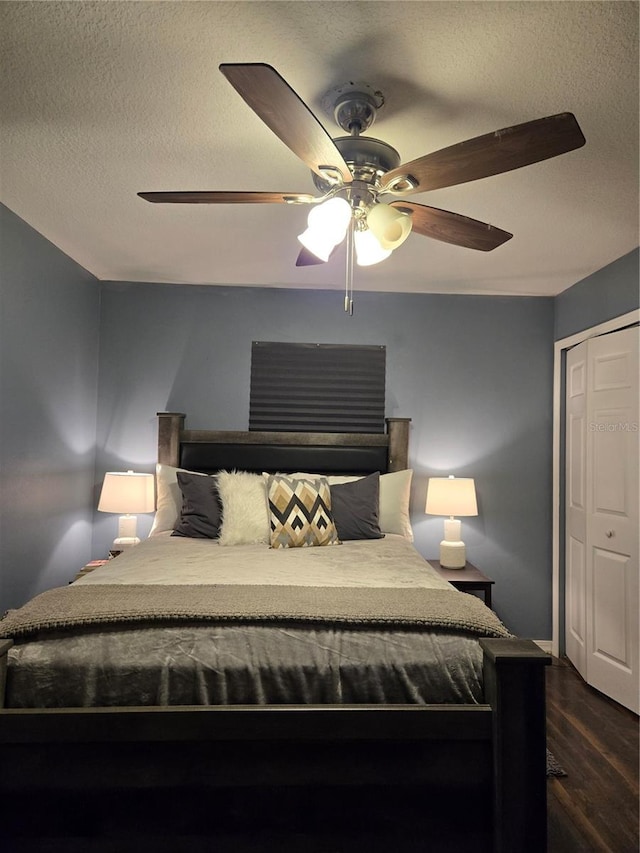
(576, 508)
(612, 523)
(602, 514)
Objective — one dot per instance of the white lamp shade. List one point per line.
(127, 492)
(390, 226)
(451, 496)
(368, 249)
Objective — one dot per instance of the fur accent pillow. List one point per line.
(245, 518)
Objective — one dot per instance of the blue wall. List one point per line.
(49, 308)
(610, 292)
(473, 373)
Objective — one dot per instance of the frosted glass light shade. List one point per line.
(368, 249)
(390, 226)
(333, 215)
(327, 226)
(318, 243)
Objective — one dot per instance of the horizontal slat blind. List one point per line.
(317, 387)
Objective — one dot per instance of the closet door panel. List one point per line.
(611, 634)
(612, 587)
(575, 508)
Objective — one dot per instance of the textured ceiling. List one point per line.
(103, 99)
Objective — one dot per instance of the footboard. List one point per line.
(287, 777)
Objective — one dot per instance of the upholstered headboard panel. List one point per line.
(209, 458)
(330, 453)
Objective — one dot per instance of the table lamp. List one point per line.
(127, 492)
(452, 496)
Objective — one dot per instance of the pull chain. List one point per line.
(348, 287)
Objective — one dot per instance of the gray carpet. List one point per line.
(554, 768)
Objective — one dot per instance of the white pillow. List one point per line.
(395, 492)
(245, 515)
(168, 498)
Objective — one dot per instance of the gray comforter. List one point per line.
(154, 642)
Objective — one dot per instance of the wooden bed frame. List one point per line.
(287, 778)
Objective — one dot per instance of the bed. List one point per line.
(266, 688)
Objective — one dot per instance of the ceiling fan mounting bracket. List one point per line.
(353, 105)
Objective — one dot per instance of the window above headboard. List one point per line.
(298, 387)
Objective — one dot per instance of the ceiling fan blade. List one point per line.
(286, 114)
(452, 227)
(218, 197)
(491, 154)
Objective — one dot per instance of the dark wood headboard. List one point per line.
(328, 453)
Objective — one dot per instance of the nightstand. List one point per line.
(466, 580)
(91, 565)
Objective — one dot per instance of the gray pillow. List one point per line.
(201, 514)
(355, 507)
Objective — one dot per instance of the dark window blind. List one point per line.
(317, 387)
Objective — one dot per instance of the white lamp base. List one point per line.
(453, 555)
(127, 529)
(123, 542)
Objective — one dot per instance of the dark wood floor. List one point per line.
(595, 807)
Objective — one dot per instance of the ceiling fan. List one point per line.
(352, 172)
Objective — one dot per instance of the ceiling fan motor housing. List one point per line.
(368, 160)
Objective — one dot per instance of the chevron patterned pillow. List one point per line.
(300, 512)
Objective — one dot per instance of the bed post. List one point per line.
(170, 425)
(398, 432)
(514, 684)
(5, 645)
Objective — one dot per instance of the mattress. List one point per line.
(247, 661)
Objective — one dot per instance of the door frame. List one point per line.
(559, 347)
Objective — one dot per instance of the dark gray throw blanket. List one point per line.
(69, 608)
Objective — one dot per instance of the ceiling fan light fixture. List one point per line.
(327, 226)
(368, 248)
(318, 243)
(391, 227)
(331, 215)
